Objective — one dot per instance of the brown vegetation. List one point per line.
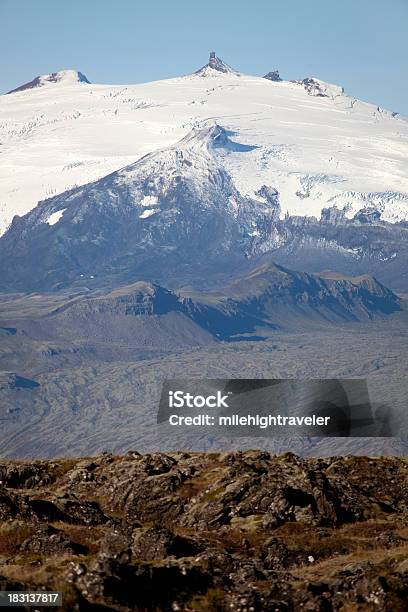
(191, 531)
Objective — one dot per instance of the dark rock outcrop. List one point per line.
(49, 541)
(238, 530)
(273, 76)
(215, 64)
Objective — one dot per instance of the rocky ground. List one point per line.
(244, 531)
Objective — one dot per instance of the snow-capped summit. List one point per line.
(67, 77)
(215, 65)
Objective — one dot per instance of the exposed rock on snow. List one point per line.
(214, 65)
(318, 88)
(273, 76)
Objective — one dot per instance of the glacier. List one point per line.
(313, 143)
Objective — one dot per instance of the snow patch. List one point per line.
(148, 213)
(55, 217)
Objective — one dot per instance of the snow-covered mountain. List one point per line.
(174, 208)
(309, 141)
(64, 77)
(176, 216)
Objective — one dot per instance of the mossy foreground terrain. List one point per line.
(242, 531)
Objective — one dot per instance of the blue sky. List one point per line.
(360, 44)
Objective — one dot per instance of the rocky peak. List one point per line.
(273, 76)
(368, 214)
(215, 65)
